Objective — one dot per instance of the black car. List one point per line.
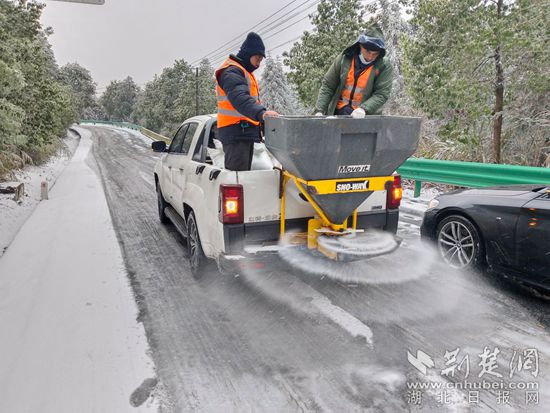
(504, 227)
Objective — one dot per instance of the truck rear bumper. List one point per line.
(232, 264)
(237, 237)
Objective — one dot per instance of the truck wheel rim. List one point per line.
(456, 244)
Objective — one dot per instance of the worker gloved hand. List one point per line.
(319, 114)
(358, 113)
(271, 113)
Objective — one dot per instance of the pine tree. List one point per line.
(207, 88)
(119, 99)
(388, 15)
(336, 24)
(276, 93)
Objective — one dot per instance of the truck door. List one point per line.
(171, 162)
(533, 234)
(180, 168)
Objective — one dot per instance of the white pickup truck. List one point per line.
(230, 216)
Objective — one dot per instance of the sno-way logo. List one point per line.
(352, 186)
(346, 169)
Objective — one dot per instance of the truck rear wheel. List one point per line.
(197, 260)
(161, 206)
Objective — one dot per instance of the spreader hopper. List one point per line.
(341, 160)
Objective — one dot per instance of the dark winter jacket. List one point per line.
(233, 82)
(378, 87)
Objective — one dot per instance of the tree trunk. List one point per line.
(499, 95)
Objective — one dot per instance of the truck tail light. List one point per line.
(394, 193)
(231, 209)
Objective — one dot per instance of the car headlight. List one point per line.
(433, 203)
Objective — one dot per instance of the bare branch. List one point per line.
(485, 60)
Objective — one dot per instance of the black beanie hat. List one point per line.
(253, 45)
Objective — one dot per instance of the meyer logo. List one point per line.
(346, 169)
(352, 186)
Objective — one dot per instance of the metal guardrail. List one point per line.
(149, 133)
(154, 136)
(111, 123)
(470, 174)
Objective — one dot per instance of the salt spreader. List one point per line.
(337, 162)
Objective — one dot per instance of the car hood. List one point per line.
(501, 191)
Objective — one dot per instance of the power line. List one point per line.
(221, 55)
(282, 30)
(284, 43)
(272, 35)
(231, 45)
(253, 27)
(366, 3)
(271, 26)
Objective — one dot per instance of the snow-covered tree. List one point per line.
(172, 96)
(276, 92)
(157, 107)
(35, 108)
(388, 15)
(119, 99)
(335, 24)
(198, 95)
(83, 87)
(479, 67)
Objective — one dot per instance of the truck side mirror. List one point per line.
(159, 146)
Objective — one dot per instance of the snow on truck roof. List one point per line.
(201, 118)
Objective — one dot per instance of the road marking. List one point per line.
(286, 288)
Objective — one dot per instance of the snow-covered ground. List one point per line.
(417, 206)
(14, 214)
(70, 341)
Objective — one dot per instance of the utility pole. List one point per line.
(196, 91)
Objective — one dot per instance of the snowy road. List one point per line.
(288, 340)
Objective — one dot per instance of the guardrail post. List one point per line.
(417, 188)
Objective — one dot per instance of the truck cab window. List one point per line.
(189, 137)
(177, 142)
(198, 149)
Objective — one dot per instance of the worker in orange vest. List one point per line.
(359, 81)
(240, 112)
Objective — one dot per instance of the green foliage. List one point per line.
(156, 108)
(203, 87)
(82, 86)
(119, 99)
(336, 24)
(450, 71)
(170, 98)
(35, 108)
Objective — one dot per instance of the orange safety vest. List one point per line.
(359, 84)
(227, 114)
